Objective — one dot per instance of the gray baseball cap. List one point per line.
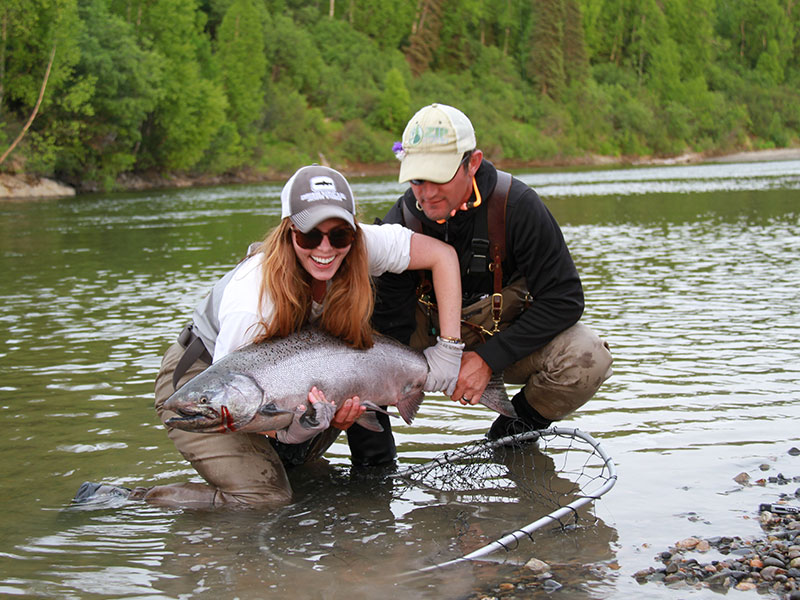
(314, 194)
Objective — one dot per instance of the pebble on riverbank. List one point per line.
(769, 565)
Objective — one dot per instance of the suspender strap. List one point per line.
(411, 220)
(480, 258)
(497, 226)
(497, 240)
(194, 349)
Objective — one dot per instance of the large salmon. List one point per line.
(258, 387)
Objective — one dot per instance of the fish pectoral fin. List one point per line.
(409, 406)
(370, 421)
(269, 409)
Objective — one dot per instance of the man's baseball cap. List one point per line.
(434, 143)
(314, 194)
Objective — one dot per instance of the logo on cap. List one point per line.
(322, 188)
(432, 135)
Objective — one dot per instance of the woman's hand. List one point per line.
(348, 413)
(304, 427)
(444, 363)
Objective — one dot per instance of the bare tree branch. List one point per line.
(35, 108)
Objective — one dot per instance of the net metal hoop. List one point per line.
(515, 536)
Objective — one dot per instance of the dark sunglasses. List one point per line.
(341, 237)
(461, 164)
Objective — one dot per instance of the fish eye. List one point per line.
(203, 400)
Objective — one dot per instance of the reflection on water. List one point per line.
(691, 274)
(685, 179)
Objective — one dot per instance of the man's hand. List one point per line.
(348, 413)
(473, 378)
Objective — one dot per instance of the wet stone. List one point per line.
(745, 586)
(718, 577)
(674, 578)
(771, 561)
(672, 568)
(504, 587)
(703, 546)
(769, 573)
(537, 566)
(551, 585)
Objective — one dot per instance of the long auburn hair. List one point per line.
(348, 302)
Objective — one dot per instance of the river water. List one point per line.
(691, 274)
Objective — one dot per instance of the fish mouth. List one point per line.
(195, 417)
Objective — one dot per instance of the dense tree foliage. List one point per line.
(262, 86)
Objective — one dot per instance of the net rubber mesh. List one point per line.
(555, 472)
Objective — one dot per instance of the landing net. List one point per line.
(555, 470)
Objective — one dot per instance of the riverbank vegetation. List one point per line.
(257, 87)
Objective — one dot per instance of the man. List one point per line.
(520, 311)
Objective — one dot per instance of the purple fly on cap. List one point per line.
(314, 194)
(434, 143)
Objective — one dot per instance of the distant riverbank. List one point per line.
(31, 187)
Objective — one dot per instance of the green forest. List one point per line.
(94, 91)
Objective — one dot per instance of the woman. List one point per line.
(314, 267)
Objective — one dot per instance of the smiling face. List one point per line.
(323, 261)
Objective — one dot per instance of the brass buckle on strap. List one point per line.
(497, 311)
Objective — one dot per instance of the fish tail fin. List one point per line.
(495, 397)
(408, 407)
